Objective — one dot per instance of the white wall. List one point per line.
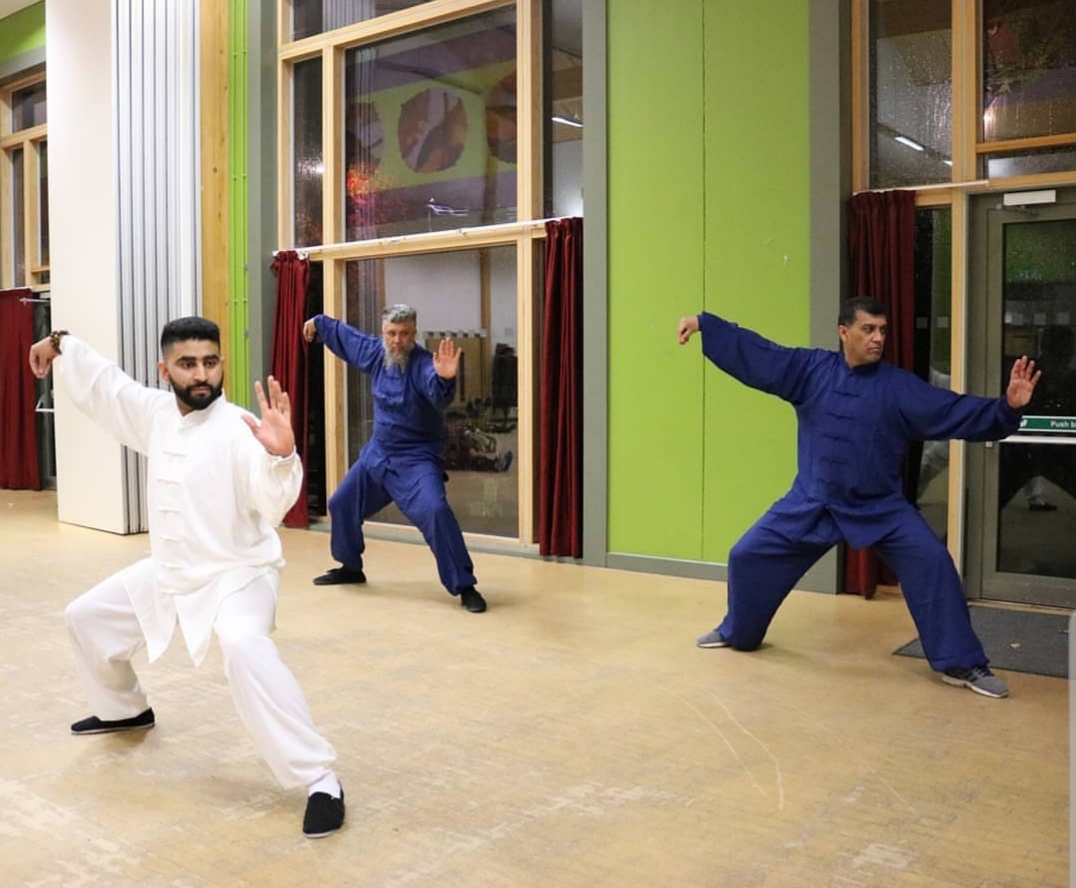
(445, 290)
(82, 233)
(442, 287)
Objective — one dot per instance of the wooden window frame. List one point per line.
(527, 233)
(29, 140)
(969, 151)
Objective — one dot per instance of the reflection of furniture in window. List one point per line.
(504, 383)
(471, 379)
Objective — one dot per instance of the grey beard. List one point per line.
(397, 360)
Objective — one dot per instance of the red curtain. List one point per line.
(882, 252)
(18, 423)
(289, 359)
(560, 422)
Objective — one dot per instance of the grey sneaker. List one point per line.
(712, 639)
(978, 678)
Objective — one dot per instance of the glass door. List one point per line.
(1022, 495)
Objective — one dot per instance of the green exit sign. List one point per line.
(1048, 424)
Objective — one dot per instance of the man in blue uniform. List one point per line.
(402, 462)
(856, 415)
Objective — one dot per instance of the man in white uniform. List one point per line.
(219, 482)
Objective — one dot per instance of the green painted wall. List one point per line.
(709, 207)
(656, 237)
(22, 31)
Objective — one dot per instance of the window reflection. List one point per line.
(564, 131)
(28, 107)
(310, 17)
(1029, 68)
(1031, 162)
(430, 129)
(43, 204)
(911, 92)
(18, 216)
(309, 167)
(933, 301)
(1037, 481)
(469, 295)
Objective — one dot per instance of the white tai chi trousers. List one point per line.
(106, 634)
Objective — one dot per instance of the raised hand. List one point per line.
(446, 360)
(689, 326)
(42, 354)
(309, 330)
(1022, 382)
(274, 432)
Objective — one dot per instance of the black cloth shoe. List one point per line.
(324, 815)
(336, 576)
(93, 725)
(472, 599)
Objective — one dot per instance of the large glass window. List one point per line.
(18, 216)
(440, 182)
(28, 107)
(469, 295)
(309, 165)
(911, 105)
(430, 129)
(1029, 68)
(564, 87)
(43, 204)
(933, 309)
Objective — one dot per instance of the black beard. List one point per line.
(198, 402)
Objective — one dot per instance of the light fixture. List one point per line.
(904, 140)
(567, 121)
(947, 161)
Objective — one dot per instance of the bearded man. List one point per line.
(218, 483)
(402, 462)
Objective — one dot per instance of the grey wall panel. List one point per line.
(156, 150)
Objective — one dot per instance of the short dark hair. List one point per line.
(185, 329)
(866, 304)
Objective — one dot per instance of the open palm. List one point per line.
(446, 360)
(274, 432)
(1022, 382)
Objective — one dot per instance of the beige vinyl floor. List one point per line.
(572, 736)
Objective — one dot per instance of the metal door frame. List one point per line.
(987, 220)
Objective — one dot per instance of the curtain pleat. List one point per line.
(560, 469)
(882, 254)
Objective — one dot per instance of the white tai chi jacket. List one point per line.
(214, 495)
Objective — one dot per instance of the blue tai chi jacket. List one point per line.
(854, 428)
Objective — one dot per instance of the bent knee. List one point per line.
(242, 643)
(742, 550)
(78, 614)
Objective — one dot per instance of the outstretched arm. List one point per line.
(934, 414)
(752, 359)
(353, 346)
(100, 389)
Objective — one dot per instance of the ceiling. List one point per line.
(8, 7)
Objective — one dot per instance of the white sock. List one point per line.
(328, 783)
